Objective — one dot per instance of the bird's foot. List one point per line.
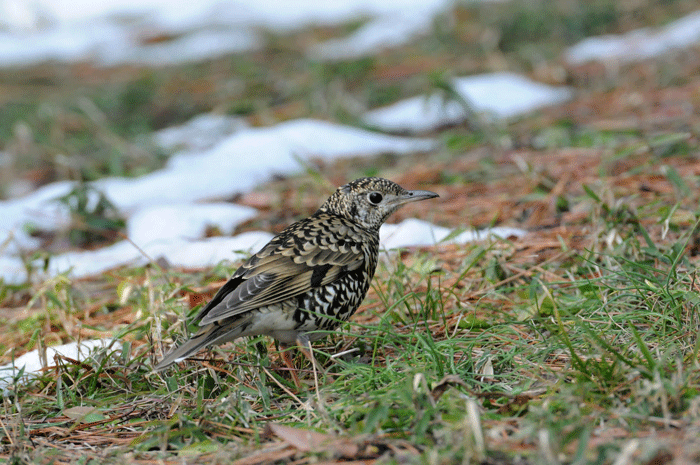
(287, 359)
(305, 348)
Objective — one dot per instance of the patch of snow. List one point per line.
(18, 15)
(190, 48)
(62, 43)
(112, 32)
(184, 14)
(178, 252)
(38, 209)
(32, 361)
(249, 157)
(209, 252)
(184, 221)
(387, 31)
(200, 133)
(418, 233)
(639, 44)
(80, 264)
(499, 95)
(12, 270)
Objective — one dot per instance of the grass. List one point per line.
(451, 361)
(576, 344)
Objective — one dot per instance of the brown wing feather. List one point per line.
(281, 271)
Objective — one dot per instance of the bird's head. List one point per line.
(369, 201)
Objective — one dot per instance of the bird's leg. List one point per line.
(305, 348)
(287, 359)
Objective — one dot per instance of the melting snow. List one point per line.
(112, 32)
(32, 361)
(638, 44)
(184, 221)
(386, 31)
(200, 133)
(499, 95)
(415, 232)
(177, 252)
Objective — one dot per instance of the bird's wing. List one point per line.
(280, 271)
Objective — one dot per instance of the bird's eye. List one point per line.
(374, 198)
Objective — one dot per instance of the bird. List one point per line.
(308, 279)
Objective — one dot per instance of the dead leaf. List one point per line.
(444, 383)
(84, 414)
(269, 455)
(306, 440)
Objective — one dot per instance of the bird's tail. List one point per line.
(215, 333)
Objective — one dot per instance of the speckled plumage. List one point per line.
(320, 266)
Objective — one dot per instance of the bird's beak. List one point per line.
(414, 196)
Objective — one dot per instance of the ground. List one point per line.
(576, 343)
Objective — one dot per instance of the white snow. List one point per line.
(184, 221)
(386, 31)
(61, 43)
(414, 232)
(235, 163)
(32, 361)
(200, 133)
(177, 252)
(185, 14)
(639, 44)
(110, 43)
(12, 269)
(498, 95)
(193, 47)
(38, 209)
(112, 32)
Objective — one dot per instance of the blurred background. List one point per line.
(121, 90)
(173, 102)
(84, 85)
